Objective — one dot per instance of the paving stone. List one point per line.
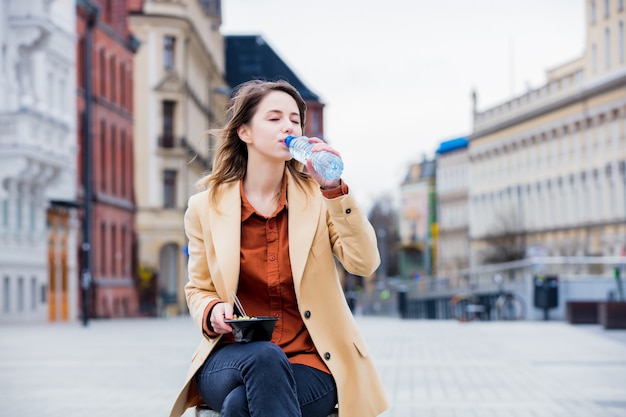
(430, 368)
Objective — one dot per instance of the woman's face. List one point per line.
(277, 116)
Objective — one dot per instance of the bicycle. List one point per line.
(508, 305)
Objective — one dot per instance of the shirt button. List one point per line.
(348, 211)
(307, 314)
(271, 225)
(272, 258)
(327, 356)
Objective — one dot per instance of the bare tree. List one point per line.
(384, 218)
(506, 242)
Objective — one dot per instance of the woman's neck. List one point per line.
(263, 186)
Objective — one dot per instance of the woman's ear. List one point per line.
(243, 134)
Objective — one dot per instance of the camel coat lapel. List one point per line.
(225, 229)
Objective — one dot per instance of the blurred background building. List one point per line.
(452, 185)
(547, 167)
(38, 225)
(94, 186)
(179, 94)
(105, 50)
(417, 219)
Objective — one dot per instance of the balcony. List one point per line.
(179, 146)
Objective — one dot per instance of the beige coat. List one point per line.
(319, 230)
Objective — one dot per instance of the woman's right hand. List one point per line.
(219, 313)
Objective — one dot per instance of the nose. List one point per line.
(288, 126)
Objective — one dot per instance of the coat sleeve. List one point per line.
(352, 236)
(200, 289)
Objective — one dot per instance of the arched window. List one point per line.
(168, 273)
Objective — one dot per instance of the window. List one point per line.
(103, 71)
(607, 48)
(169, 49)
(103, 151)
(167, 138)
(32, 213)
(19, 207)
(6, 292)
(114, 251)
(592, 13)
(169, 188)
(33, 293)
(123, 163)
(594, 59)
(607, 7)
(315, 123)
(620, 5)
(50, 95)
(112, 73)
(20, 294)
(123, 86)
(114, 162)
(102, 250)
(80, 60)
(620, 43)
(125, 251)
(5, 207)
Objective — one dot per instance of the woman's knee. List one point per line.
(268, 353)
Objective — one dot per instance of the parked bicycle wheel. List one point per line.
(462, 308)
(510, 307)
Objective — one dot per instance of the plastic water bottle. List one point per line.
(327, 164)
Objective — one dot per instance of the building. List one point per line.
(38, 225)
(548, 167)
(452, 187)
(104, 70)
(179, 92)
(250, 57)
(417, 218)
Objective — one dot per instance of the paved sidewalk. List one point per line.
(133, 368)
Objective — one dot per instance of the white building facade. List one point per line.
(452, 207)
(38, 226)
(550, 164)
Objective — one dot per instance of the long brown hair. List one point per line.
(231, 158)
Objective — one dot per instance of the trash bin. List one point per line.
(546, 295)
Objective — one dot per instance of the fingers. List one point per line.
(320, 145)
(323, 146)
(323, 182)
(220, 312)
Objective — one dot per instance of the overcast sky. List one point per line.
(396, 76)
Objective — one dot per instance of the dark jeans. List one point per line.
(256, 380)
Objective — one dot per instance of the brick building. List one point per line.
(105, 136)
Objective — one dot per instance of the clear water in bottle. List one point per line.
(327, 164)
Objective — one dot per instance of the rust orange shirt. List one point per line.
(266, 283)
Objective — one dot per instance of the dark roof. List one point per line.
(452, 145)
(249, 57)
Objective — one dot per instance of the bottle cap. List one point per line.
(288, 140)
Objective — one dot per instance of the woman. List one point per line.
(270, 232)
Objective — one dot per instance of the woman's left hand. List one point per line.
(320, 145)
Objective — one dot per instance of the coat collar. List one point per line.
(225, 226)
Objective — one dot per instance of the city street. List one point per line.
(430, 368)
